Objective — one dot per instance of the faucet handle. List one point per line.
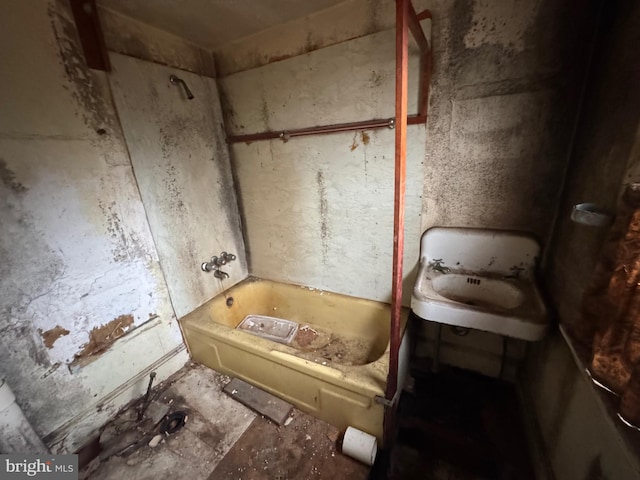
(226, 258)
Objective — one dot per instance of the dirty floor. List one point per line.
(221, 439)
(458, 425)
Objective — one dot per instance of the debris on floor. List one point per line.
(262, 402)
(304, 449)
(191, 430)
(460, 425)
(188, 427)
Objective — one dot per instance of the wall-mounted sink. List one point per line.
(482, 279)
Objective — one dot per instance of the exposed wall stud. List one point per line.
(85, 14)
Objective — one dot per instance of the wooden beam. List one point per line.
(85, 14)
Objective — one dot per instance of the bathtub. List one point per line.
(335, 376)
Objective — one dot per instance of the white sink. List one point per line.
(482, 279)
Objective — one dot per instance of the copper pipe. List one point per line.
(402, 42)
(416, 29)
(425, 80)
(425, 14)
(338, 127)
(425, 57)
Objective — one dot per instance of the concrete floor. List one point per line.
(221, 439)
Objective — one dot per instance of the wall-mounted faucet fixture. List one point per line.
(215, 263)
(178, 81)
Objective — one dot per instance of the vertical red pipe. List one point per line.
(402, 41)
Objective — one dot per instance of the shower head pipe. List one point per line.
(178, 81)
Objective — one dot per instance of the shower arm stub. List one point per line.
(175, 80)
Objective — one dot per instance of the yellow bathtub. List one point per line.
(335, 377)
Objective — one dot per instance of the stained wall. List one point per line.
(503, 104)
(87, 308)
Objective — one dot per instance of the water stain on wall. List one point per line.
(324, 214)
(49, 337)
(376, 79)
(264, 113)
(354, 143)
(125, 246)
(8, 178)
(94, 106)
(174, 192)
(504, 24)
(102, 337)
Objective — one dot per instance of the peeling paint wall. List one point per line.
(319, 210)
(583, 440)
(86, 312)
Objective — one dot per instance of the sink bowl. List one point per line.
(481, 279)
(477, 291)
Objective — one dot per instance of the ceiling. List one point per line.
(214, 23)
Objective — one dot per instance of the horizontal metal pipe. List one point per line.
(324, 129)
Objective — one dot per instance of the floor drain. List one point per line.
(173, 422)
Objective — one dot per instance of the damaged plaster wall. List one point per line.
(583, 439)
(319, 210)
(503, 104)
(181, 162)
(78, 266)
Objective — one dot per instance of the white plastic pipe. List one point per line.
(16, 433)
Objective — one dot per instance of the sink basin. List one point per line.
(476, 291)
(482, 279)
